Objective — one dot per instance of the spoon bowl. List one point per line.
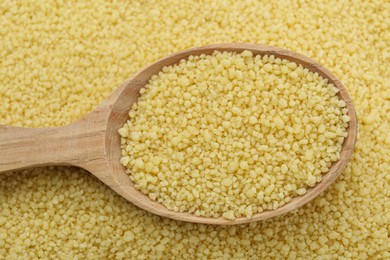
(93, 143)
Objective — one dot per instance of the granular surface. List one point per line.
(60, 59)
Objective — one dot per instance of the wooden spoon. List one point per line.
(93, 143)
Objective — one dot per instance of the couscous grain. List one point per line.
(64, 213)
(214, 131)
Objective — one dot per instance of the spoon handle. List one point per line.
(77, 144)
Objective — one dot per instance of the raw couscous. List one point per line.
(60, 59)
(232, 134)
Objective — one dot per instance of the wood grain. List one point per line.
(93, 143)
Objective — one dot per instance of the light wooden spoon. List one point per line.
(93, 143)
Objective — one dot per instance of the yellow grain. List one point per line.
(45, 81)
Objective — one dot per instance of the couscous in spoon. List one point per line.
(93, 143)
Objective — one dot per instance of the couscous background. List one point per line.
(59, 59)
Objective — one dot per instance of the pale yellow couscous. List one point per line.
(59, 59)
(232, 134)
